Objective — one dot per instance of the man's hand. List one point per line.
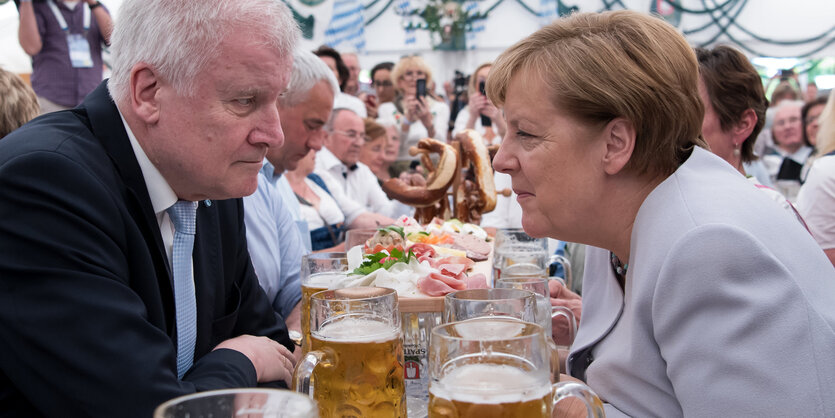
(272, 360)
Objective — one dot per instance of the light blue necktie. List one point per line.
(183, 214)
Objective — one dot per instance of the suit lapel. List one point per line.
(106, 125)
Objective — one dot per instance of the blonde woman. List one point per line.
(480, 109)
(415, 116)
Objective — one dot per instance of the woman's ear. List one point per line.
(619, 135)
(144, 93)
(743, 128)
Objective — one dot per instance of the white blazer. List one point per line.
(728, 308)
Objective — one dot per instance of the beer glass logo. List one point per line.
(412, 369)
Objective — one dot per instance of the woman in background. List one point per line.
(323, 215)
(18, 105)
(373, 152)
(816, 200)
(479, 109)
(415, 116)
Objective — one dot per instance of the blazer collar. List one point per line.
(106, 125)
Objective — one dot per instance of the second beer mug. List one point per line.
(318, 271)
(356, 354)
(488, 367)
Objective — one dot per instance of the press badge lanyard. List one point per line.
(79, 48)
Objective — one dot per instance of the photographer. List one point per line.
(64, 39)
(479, 113)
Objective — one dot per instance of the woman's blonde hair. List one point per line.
(18, 104)
(407, 63)
(826, 132)
(474, 80)
(373, 130)
(600, 66)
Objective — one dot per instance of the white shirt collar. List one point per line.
(161, 194)
(329, 161)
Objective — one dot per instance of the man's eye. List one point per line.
(523, 134)
(247, 101)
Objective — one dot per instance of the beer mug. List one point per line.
(516, 252)
(318, 271)
(239, 403)
(538, 284)
(475, 303)
(494, 367)
(356, 354)
(356, 237)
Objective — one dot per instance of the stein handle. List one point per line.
(562, 390)
(566, 267)
(304, 370)
(569, 317)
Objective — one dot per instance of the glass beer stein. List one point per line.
(239, 403)
(494, 367)
(516, 252)
(356, 354)
(538, 284)
(475, 303)
(318, 271)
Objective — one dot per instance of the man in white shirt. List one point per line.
(338, 165)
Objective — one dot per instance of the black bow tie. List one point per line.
(350, 168)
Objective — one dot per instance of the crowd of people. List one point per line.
(169, 206)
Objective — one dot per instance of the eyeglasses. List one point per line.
(382, 83)
(353, 134)
(413, 74)
(790, 120)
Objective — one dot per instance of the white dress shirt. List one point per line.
(360, 183)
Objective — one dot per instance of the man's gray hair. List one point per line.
(308, 70)
(179, 39)
(336, 111)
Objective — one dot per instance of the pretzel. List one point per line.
(476, 194)
(437, 181)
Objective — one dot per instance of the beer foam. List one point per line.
(484, 330)
(324, 279)
(358, 330)
(490, 384)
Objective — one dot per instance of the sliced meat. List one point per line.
(452, 282)
(432, 287)
(477, 249)
(476, 281)
(457, 260)
(454, 270)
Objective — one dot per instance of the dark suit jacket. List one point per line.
(86, 298)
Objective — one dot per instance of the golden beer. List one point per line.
(363, 374)
(485, 390)
(315, 283)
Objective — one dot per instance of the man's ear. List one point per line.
(619, 135)
(144, 93)
(743, 128)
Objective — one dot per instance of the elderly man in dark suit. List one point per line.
(124, 273)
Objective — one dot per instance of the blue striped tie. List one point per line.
(183, 215)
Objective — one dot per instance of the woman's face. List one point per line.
(373, 153)
(392, 145)
(721, 142)
(408, 80)
(787, 128)
(554, 162)
(813, 122)
(481, 75)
